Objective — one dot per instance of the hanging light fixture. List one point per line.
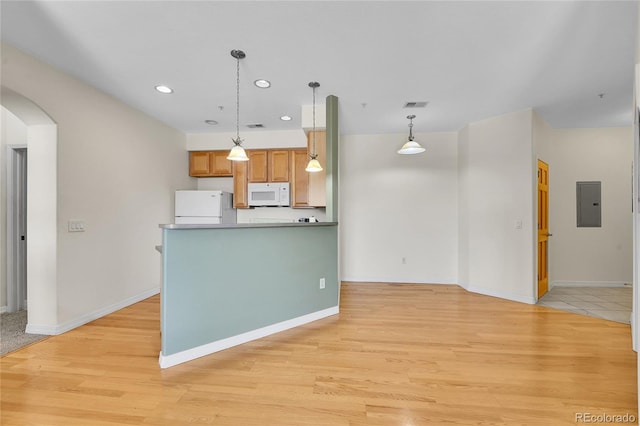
(314, 164)
(411, 146)
(237, 153)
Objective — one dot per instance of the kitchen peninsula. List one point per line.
(224, 285)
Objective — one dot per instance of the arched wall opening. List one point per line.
(41, 256)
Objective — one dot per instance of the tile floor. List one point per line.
(611, 303)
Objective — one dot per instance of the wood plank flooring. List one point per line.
(397, 354)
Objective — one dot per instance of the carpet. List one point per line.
(12, 335)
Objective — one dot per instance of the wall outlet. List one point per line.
(322, 283)
(76, 226)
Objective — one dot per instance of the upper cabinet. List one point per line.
(257, 165)
(278, 165)
(209, 164)
(268, 165)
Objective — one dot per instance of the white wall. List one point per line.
(117, 170)
(497, 179)
(14, 132)
(591, 255)
(463, 207)
(542, 140)
(398, 206)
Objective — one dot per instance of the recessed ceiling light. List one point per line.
(285, 118)
(211, 122)
(164, 89)
(263, 84)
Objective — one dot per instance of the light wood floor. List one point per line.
(396, 355)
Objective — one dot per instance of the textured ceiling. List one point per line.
(468, 60)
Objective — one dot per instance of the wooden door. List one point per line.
(543, 228)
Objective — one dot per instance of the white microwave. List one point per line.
(269, 194)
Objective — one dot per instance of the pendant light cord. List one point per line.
(411, 117)
(237, 141)
(313, 154)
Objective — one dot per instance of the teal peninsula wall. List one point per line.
(224, 285)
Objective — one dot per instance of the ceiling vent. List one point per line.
(256, 126)
(421, 104)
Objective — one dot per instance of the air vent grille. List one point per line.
(255, 126)
(420, 104)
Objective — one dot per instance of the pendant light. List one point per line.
(314, 164)
(237, 153)
(411, 146)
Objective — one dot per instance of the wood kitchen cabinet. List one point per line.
(278, 165)
(317, 196)
(299, 188)
(309, 189)
(268, 165)
(209, 164)
(282, 165)
(257, 171)
(240, 193)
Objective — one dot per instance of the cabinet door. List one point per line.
(240, 195)
(219, 165)
(199, 164)
(279, 165)
(257, 165)
(318, 180)
(299, 178)
(209, 164)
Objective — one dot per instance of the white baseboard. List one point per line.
(589, 284)
(502, 295)
(378, 280)
(209, 348)
(53, 330)
(3, 309)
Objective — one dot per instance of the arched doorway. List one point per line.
(41, 144)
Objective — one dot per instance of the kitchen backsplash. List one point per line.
(278, 214)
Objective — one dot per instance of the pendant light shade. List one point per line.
(411, 146)
(313, 165)
(237, 153)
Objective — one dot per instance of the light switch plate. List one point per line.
(76, 226)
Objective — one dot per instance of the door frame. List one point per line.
(16, 221)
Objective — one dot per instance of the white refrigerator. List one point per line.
(204, 207)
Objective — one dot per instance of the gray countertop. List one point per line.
(247, 225)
